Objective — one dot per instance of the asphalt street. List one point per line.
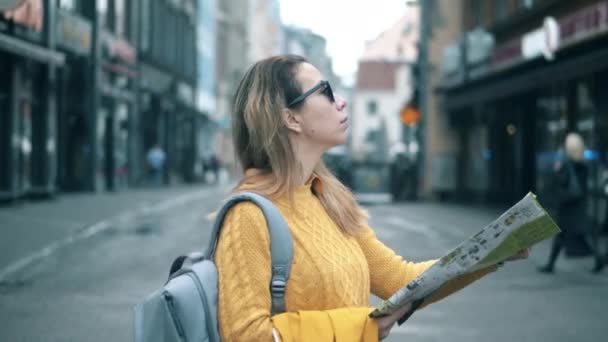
(85, 290)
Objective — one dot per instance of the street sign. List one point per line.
(410, 115)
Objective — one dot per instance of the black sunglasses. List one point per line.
(326, 90)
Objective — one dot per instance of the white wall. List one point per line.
(389, 104)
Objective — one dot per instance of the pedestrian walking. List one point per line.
(569, 193)
(285, 117)
(156, 161)
(214, 167)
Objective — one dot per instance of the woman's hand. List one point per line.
(523, 254)
(385, 324)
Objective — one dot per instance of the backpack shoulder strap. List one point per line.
(281, 244)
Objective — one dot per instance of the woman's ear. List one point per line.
(292, 120)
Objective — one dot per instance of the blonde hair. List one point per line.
(261, 140)
(575, 147)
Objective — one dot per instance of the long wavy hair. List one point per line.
(261, 140)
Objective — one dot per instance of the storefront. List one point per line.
(170, 120)
(28, 106)
(186, 127)
(116, 114)
(74, 38)
(156, 108)
(519, 108)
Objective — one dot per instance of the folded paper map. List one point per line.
(520, 227)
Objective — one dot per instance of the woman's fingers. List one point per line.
(385, 324)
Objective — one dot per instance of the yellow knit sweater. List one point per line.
(331, 271)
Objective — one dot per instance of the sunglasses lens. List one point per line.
(329, 93)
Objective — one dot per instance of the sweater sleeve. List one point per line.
(243, 261)
(389, 272)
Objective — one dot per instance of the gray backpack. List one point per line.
(185, 309)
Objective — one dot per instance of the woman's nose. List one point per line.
(340, 102)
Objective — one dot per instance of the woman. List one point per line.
(285, 117)
(569, 189)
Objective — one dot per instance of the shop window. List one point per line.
(478, 159)
(551, 130)
(501, 9)
(478, 12)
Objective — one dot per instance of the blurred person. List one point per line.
(156, 162)
(400, 166)
(569, 192)
(214, 167)
(285, 117)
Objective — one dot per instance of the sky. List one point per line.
(346, 24)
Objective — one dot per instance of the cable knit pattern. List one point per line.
(330, 269)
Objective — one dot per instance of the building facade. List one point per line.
(93, 85)
(206, 101)
(529, 73)
(232, 59)
(167, 84)
(442, 140)
(28, 100)
(384, 86)
(304, 42)
(97, 102)
(266, 30)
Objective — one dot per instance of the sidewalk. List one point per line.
(30, 227)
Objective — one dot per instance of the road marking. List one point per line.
(99, 227)
(375, 198)
(428, 330)
(51, 248)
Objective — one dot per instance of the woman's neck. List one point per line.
(308, 158)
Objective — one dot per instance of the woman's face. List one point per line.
(323, 122)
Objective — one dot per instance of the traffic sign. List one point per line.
(410, 115)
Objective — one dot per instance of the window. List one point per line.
(120, 17)
(145, 31)
(478, 13)
(102, 6)
(501, 9)
(372, 107)
(526, 3)
(70, 5)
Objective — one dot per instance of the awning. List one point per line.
(29, 50)
(518, 81)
